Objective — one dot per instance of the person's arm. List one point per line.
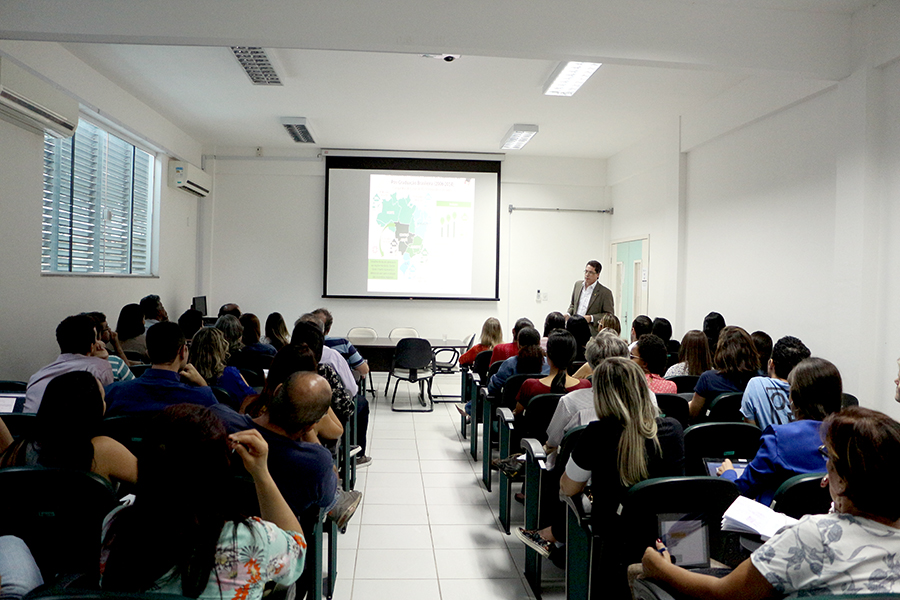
(117, 347)
(113, 460)
(573, 304)
(329, 426)
(696, 405)
(254, 451)
(584, 371)
(570, 487)
(6, 438)
(361, 370)
(745, 582)
(190, 374)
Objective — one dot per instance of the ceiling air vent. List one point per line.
(298, 129)
(256, 64)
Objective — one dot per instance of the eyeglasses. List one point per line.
(823, 449)
(589, 272)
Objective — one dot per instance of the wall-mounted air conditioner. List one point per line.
(29, 102)
(191, 179)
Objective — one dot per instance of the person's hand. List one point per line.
(252, 449)
(656, 560)
(190, 374)
(114, 338)
(99, 350)
(725, 466)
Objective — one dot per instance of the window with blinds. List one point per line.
(97, 207)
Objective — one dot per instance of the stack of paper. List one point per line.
(748, 516)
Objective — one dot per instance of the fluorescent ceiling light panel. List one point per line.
(256, 65)
(298, 129)
(568, 77)
(517, 136)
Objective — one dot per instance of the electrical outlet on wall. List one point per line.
(545, 296)
(538, 299)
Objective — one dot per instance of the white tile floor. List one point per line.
(427, 529)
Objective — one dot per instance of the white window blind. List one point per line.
(97, 207)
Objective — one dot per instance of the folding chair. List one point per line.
(19, 424)
(725, 408)
(802, 495)
(685, 383)
(398, 333)
(718, 440)
(369, 333)
(489, 405)
(673, 405)
(413, 362)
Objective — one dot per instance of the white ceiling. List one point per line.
(666, 58)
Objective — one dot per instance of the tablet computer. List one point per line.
(686, 537)
(714, 463)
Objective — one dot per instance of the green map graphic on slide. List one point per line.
(401, 224)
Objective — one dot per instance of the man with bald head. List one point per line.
(303, 470)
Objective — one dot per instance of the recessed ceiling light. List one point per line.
(568, 77)
(517, 136)
(298, 129)
(256, 65)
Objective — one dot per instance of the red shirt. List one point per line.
(504, 351)
(532, 387)
(658, 385)
(469, 356)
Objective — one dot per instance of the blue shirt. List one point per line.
(346, 349)
(154, 391)
(507, 370)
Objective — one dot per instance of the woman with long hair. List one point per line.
(530, 359)
(209, 355)
(628, 443)
(183, 534)
(66, 432)
(854, 548)
(130, 330)
(693, 356)
(793, 448)
(736, 362)
(561, 350)
(581, 332)
(233, 331)
(491, 335)
(276, 331)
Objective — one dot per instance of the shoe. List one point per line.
(532, 538)
(511, 465)
(520, 498)
(354, 450)
(345, 507)
(461, 407)
(363, 461)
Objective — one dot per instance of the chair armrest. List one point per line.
(506, 416)
(647, 589)
(581, 506)
(534, 450)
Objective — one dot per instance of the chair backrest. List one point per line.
(8, 385)
(802, 495)
(495, 366)
(718, 440)
(676, 407)
(139, 369)
(398, 333)
(469, 342)
(133, 356)
(128, 430)
(848, 400)
(482, 364)
(685, 383)
(726, 408)
(58, 513)
(19, 424)
(413, 353)
(511, 388)
(253, 377)
(224, 397)
(362, 332)
(537, 415)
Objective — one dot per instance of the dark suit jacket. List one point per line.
(601, 302)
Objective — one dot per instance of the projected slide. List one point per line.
(420, 234)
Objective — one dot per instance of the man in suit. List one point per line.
(590, 298)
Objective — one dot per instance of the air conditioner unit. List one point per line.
(191, 179)
(29, 102)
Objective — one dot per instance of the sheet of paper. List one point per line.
(7, 404)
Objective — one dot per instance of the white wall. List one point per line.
(33, 304)
(264, 237)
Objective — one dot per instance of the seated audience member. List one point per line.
(66, 432)
(897, 383)
(117, 362)
(766, 399)
(504, 351)
(554, 320)
(762, 341)
(184, 534)
(528, 359)
(171, 379)
(230, 309)
(131, 331)
(662, 329)
(650, 355)
(255, 354)
(290, 360)
(233, 331)
(190, 322)
(713, 324)
(276, 331)
(609, 321)
(19, 573)
(735, 364)
(6, 438)
(491, 335)
(852, 550)
(642, 325)
(628, 443)
(154, 311)
(357, 363)
(560, 352)
(303, 469)
(209, 351)
(78, 339)
(793, 448)
(581, 331)
(327, 355)
(693, 355)
(577, 407)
